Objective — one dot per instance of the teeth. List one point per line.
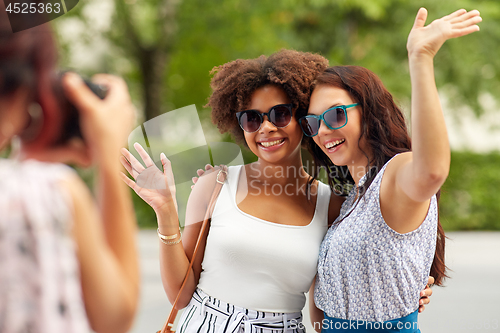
(334, 143)
(271, 143)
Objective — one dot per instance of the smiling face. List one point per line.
(270, 143)
(340, 145)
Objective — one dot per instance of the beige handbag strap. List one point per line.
(221, 177)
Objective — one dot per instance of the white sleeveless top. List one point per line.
(40, 288)
(257, 264)
(368, 271)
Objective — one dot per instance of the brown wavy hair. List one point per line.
(384, 131)
(233, 84)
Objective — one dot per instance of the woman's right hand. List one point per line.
(156, 188)
(105, 124)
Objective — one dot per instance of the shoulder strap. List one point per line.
(221, 177)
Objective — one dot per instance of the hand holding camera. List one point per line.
(105, 124)
(97, 118)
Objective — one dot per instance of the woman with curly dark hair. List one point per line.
(390, 217)
(259, 258)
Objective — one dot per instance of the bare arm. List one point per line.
(110, 289)
(315, 313)
(174, 260)
(158, 190)
(105, 235)
(413, 178)
(422, 176)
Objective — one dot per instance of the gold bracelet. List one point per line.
(167, 237)
(177, 241)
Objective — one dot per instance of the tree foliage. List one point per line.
(166, 49)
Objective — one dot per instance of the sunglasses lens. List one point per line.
(280, 116)
(250, 121)
(336, 117)
(310, 126)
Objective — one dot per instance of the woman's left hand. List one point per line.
(425, 294)
(427, 40)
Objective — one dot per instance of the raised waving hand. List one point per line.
(155, 187)
(427, 40)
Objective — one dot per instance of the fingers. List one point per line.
(464, 16)
(430, 281)
(165, 162)
(455, 14)
(463, 22)
(421, 308)
(167, 167)
(465, 29)
(78, 93)
(128, 167)
(127, 181)
(117, 88)
(134, 163)
(421, 18)
(426, 292)
(468, 20)
(201, 172)
(424, 300)
(144, 155)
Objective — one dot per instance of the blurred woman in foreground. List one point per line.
(67, 264)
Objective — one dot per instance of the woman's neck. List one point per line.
(278, 173)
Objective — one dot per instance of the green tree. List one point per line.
(373, 34)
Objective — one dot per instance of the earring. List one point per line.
(35, 123)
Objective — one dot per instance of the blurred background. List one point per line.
(165, 49)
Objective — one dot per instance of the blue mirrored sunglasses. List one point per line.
(334, 118)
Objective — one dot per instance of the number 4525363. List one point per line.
(32, 8)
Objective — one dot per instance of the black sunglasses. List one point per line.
(279, 115)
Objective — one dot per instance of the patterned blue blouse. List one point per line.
(368, 271)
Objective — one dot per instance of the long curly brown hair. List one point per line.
(385, 132)
(233, 84)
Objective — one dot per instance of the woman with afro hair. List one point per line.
(260, 254)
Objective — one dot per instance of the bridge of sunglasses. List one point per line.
(251, 120)
(310, 124)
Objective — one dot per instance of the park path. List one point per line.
(470, 302)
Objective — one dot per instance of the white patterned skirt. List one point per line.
(206, 314)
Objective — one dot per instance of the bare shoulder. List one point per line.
(78, 191)
(396, 164)
(400, 212)
(200, 196)
(205, 184)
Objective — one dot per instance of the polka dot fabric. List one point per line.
(368, 271)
